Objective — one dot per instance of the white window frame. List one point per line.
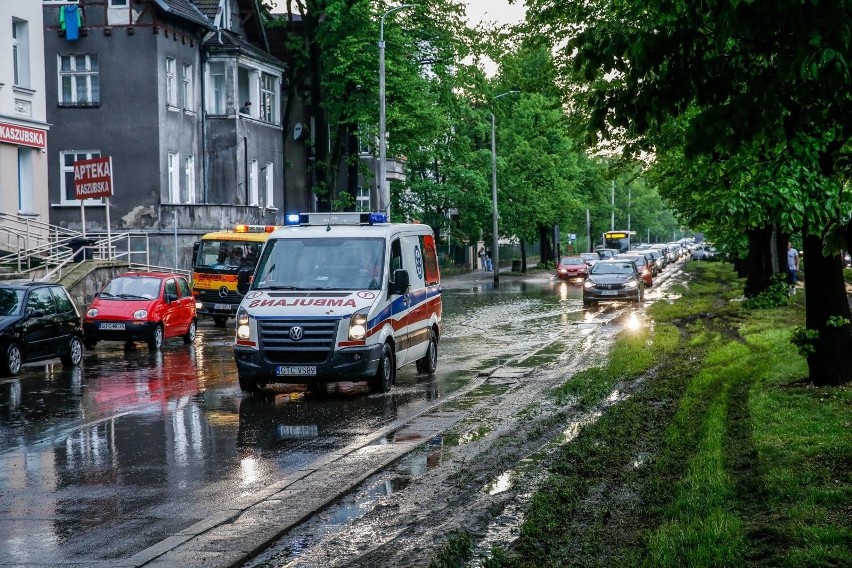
(269, 184)
(188, 95)
(362, 199)
(171, 88)
(26, 193)
(217, 102)
(173, 176)
(189, 179)
(16, 73)
(118, 3)
(90, 74)
(254, 197)
(69, 169)
(268, 109)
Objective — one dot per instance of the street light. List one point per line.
(495, 252)
(384, 188)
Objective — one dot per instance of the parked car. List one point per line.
(572, 268)
(590, 258)
(703, 252)
(142, 306)
(642, 266)
(38, 321)
(606, 254)
(659, 259)
(613, 280)
(652, 262)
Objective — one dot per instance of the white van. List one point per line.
(339, 296)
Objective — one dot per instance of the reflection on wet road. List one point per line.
(101, 462)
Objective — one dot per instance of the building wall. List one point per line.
(22, 105)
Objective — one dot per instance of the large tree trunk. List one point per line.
(831, 362)
(523, 256)
(767, 253)
(544, 239)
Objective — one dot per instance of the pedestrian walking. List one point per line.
(792, 266)
(488, 260)
(481, 254)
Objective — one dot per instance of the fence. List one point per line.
(455, 259)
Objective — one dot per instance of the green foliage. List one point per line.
(457, 551)
(837, 321)
(777, 294)
(343, 202)
(805, 340)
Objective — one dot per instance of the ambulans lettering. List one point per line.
(321, 302)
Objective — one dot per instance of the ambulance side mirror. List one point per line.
(400, 283)
(244, 280)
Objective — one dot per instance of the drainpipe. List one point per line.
(245, 168)
(204, 183)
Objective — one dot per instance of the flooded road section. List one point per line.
(101, 462)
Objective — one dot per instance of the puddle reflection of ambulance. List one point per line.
(339, 296)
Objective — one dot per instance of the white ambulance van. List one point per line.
(339, 297)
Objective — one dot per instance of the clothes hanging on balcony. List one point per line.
(70, 21)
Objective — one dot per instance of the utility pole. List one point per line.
(612, 221)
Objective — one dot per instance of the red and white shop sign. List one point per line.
(23, 135)
(93, 178)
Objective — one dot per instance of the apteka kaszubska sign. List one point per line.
(93, 178)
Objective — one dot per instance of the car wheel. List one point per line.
(248, 384)
(74, 355)
(156, 339)
(386, 373)
(429, 362)
(189, 336)
(90, 343)
(12, 360)
(587, 302)
(220, 321)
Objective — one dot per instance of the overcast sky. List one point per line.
(497, 11)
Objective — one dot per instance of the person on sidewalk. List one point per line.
(488, 264)
(792, 266)
(481, 254)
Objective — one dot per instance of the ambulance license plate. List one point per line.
(226, 307)
(295, 371)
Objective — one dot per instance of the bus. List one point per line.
(618, 240)
(216, 260)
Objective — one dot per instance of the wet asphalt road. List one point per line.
(101, 462)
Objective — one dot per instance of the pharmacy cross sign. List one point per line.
(93, 178)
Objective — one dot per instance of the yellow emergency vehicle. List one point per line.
(216, 260)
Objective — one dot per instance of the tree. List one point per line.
(750, 79)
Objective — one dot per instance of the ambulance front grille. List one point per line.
(314, 345)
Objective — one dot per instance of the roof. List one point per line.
(26, 285)
(379, 230)
(235, 236)
(227, 42)
(150, 275)
(208, 7)
(186, 10)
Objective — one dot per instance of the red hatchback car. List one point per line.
(141, 306)
(572, 268)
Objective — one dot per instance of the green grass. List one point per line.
(726, 457)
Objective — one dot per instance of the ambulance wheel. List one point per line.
(428, 363)
(386, 373)
(248, 384)
(220, 321)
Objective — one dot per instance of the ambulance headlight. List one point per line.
(243, 331)
(358, 326)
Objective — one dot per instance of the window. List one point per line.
(171, 92)
(187, 87)
(184, 288)
(63, 302)
(174, 177)
(187, 193)
(216, 104)
(20, 53)
(268, 98)
(117, 3)
(253, 189)
(67, 160)
(78, 77)
(171, 288)
(396, 256)
(26, 201)
(362, 200)
(269, 184)
(41, 300)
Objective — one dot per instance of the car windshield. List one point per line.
(613, 268)
(227, 255)
(605, 254)
(330, 263)
(574, 260)
(589, 256)
(11, 301)
(639, 260)
(132, 288)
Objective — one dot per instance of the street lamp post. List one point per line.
(383, 187)
(495, 252)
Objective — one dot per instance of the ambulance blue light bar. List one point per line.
(340, 218)
(291, 219)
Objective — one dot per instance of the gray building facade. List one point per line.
(157, 85)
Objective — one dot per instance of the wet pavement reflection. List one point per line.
(103, 461)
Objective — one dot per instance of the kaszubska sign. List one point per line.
(93, 178)
(22, 135)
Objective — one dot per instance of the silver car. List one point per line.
(613, 280)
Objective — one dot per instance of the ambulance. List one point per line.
(339, 297)
(216, 260)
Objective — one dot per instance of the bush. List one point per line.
(777, 294)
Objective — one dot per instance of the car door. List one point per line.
(171, 309)
(41, 328)
(67, 316)
(186, 304)
(417, 321)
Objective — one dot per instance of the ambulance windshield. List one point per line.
(321, 264)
